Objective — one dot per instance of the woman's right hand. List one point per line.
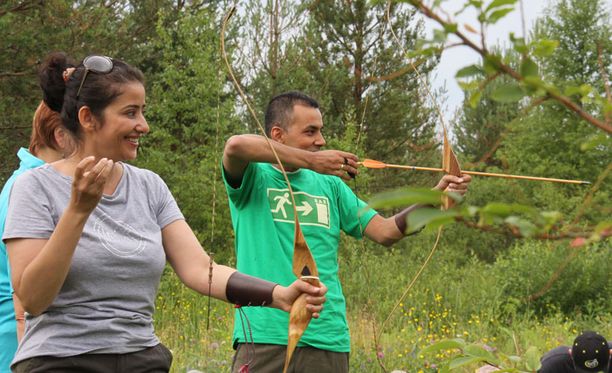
(88, 183)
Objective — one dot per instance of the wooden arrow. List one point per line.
(370, 163)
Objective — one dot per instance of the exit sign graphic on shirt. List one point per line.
(312, 210)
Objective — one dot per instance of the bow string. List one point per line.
(450, 165)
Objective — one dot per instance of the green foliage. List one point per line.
(469, 71)
(429, 218)
(450, 300)
(455, 299)
(527, 268)
(482, 123)
(30, 30)
(195, 329)
(471, 354)
(589, 21)
(530, 151)
(405, 197)
(522, 220)
(476, 290)
(546, 141)
(447, 344)
(579, 28)
(483, 304)
(510, 92)
(191, 117)
(356, 68)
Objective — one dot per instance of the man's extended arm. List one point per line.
(240, 150)
(387, 231)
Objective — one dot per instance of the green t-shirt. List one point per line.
(262, 217)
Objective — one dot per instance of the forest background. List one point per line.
(525, 267)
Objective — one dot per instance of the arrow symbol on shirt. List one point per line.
(305, 208)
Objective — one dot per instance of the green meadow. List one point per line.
(456, 297)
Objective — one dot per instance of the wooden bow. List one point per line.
(450, 165)
(304, 266)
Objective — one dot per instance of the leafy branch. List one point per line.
(20, 7)
(528, 81)
(481, 354)
(517, 220)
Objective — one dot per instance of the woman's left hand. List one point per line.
(285, 296)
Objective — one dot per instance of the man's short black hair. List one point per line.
(280, 108)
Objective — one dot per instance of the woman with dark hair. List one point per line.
(49, 142)
(88, 236)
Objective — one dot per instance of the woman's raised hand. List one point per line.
(88, 183)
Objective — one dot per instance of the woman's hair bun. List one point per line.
(52, 81)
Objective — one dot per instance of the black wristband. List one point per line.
(245, 290)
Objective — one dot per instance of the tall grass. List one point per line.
(456, 297)
(181, 320)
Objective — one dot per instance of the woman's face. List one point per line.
(117, 138)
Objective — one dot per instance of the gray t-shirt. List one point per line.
(107, 300)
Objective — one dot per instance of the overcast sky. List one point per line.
(455, 58)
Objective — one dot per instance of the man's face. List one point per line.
(304, 131)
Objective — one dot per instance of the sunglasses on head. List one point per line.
(97, 64)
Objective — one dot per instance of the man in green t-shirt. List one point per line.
(263, 221)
